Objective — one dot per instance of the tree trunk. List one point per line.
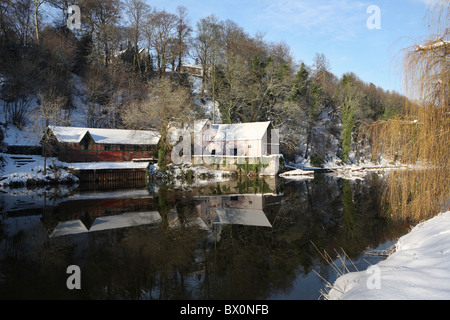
(36, 22)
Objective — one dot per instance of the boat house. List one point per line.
(75, 144)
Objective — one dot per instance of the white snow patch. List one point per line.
(417, 270)
(33, 170)
(297, 173)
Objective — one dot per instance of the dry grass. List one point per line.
(340, 269)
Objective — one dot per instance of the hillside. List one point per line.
(105, 78)
(326, 131)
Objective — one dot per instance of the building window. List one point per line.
(249, 146)
(122, 148)
(107, 148)
(136, 148)
(86, 144)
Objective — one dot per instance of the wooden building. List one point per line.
(75, 144)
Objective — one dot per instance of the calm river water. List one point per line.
(240, 239)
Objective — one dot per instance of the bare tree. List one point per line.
(100, 20)
(63, 6)
(161, 34)
(50, 112)
(233, 70)
(167, 103)
(97, 90)
(183, 34)
(5, 20)
(37, 4)
(206, 47)
(137, 12)
(21, 17)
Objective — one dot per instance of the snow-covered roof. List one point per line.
(106, 136)
(200, 124)
(241, 131)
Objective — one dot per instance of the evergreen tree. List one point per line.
(348, 124)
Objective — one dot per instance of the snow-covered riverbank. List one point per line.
(23, 170)
(26, 169)
(419, 269)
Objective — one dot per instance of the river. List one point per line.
(251, 239)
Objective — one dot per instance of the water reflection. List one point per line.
(246, 239)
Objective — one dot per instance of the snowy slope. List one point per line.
(205, 104)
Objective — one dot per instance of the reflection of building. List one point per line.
(132, 219)
(87, 212)
(95, 211)
(243, 209)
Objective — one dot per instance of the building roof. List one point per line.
(106, 136)
(241, 131)
(200, 124)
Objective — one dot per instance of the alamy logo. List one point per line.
(74, 17)
(74, 280)
(374, 21)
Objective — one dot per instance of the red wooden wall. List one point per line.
(76, 152)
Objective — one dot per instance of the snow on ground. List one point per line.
(17, 137)
(205, 104)
(32, 169)
(417, 270)
(351, 171)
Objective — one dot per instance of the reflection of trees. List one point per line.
(252, 263)
(146, 262)
(246, 265)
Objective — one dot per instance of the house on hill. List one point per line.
(75, 144)
(192, 68)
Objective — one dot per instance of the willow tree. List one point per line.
(420, 137)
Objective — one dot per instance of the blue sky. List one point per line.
(336, 28)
